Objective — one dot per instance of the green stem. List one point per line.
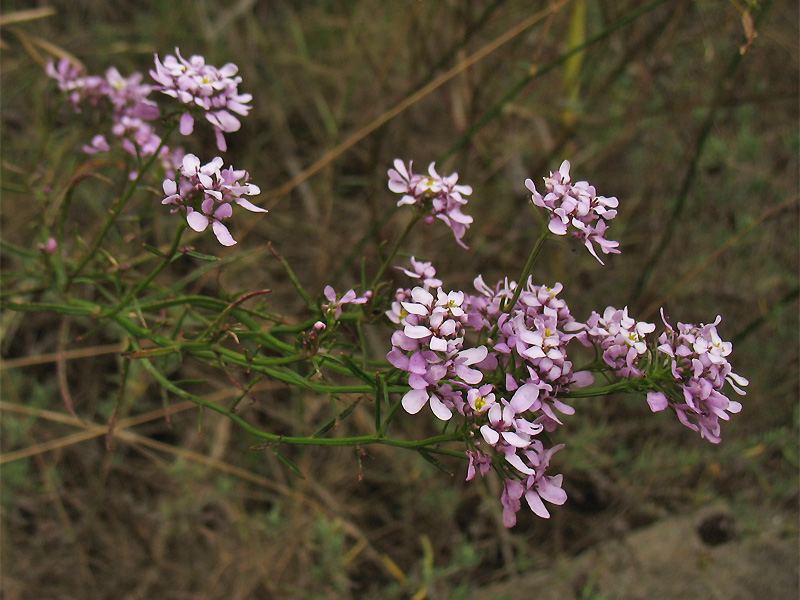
(388, 419)
(146, 281)
(620, 386)
(395, 248)
(118, 205)
(528, 268)
(303, 441)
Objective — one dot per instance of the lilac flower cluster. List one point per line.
(528, 346)
(525, 358)
(509, 383)
(203, 89)
(620, 338)
(579, 206)
(531, 339)
(697, 359)
(207, 194)
(128, 100)
(430, 347)
(438, 196)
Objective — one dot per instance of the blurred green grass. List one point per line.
(83, 522)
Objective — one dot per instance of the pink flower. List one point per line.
(99, 144)
(128, 95)
(205, 90)
(207, 194)
(479, 460)
(50, 246)
(430, 347)
(535, 486)
(349, 297)
(424, 271)
(621, 339)
(697, 359)
(76, 84)
(433, 194)
(127, 99)
(579, 206)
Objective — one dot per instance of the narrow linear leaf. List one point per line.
(285, 460)
(339, 418)
(355, 369)
(199, 255)
(154, 250)
(295, 281)
(435, 462)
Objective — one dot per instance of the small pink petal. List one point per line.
(223, 235)
(197, 221)
(187, 124)
(414, 400)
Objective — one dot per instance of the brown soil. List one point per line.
(710, 555)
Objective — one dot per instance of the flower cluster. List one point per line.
(535, 486)
(578, 205)
(697, 359)
(430, 347)
(527, 344)
(73, 81)
(620, 338)
(530, 345)
(128, 100)
(531, 339)
(207, 194)
(439, 197)
(203, 89)
(500, 357)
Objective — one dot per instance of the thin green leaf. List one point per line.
(295, 281)
(355, 369)
(333, 422)
(199, 255)
(154, 250)
(435, 462)
(285, 460)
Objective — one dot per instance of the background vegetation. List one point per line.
(669, 108)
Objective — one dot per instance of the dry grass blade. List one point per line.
(21, 16)
(93, 430)
(97, 430)
(41, 359)
(31, 42)
(61, 367)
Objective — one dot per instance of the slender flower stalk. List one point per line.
(526, 271)
(117, 207)
(168, 257)
(393, 252)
